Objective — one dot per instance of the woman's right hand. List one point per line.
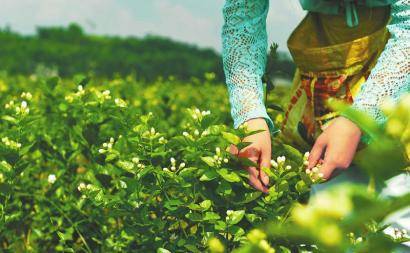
(258, 152)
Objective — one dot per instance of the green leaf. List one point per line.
(125, 165)
(243, 145)
(206, 204)
(191, 248)
(231, 138)
(211, 216)
(231, 177)
(208, 175)
(235, 217)
(173, 204)
(162, 250)
(208, 160)
(276, 107)
(224, 188)
(9, 118)
(301, 187)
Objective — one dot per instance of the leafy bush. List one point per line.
(122, 166)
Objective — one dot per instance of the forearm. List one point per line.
(390, 78)
(244, 57)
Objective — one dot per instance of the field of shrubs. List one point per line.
(121, 165)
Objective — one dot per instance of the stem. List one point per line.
(371, 188)
(64, 215)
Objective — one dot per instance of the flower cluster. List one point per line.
(138, 163)
(87, 187)
(80, 92)
(105, 95)
(162, 140)
(315, 175)
(120, 102)
(174, 166)
(107, 146)
(280, 163)
(26, 95)
(151, 134)
(197, 114)
(195, 134)
(10, 143)
(21, 109)
(218, 158)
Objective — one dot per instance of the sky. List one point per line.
(194, 21)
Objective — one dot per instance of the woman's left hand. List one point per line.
(336, 146)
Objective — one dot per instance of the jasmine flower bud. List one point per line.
(52, 178)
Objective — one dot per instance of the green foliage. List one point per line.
(68, 51)
(122, 166)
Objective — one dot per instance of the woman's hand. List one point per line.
(258, 152)
(336, 146)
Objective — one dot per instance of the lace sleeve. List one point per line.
(390, 77)
(244, 52)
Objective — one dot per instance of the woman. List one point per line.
(335, 48)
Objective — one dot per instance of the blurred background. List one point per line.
(107, 38)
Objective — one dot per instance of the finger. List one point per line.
(264, 163)
(254, 180)
(233, 149)
(316, 153)
(327, 169)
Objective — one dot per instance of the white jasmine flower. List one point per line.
(306, 155)
(226, 160)
(81, 187)
(52, 178)
(182, 165)
(281, 159)
(162, 140)
(274, 163)
(205, 133)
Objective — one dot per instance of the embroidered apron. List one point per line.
(333, 60)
